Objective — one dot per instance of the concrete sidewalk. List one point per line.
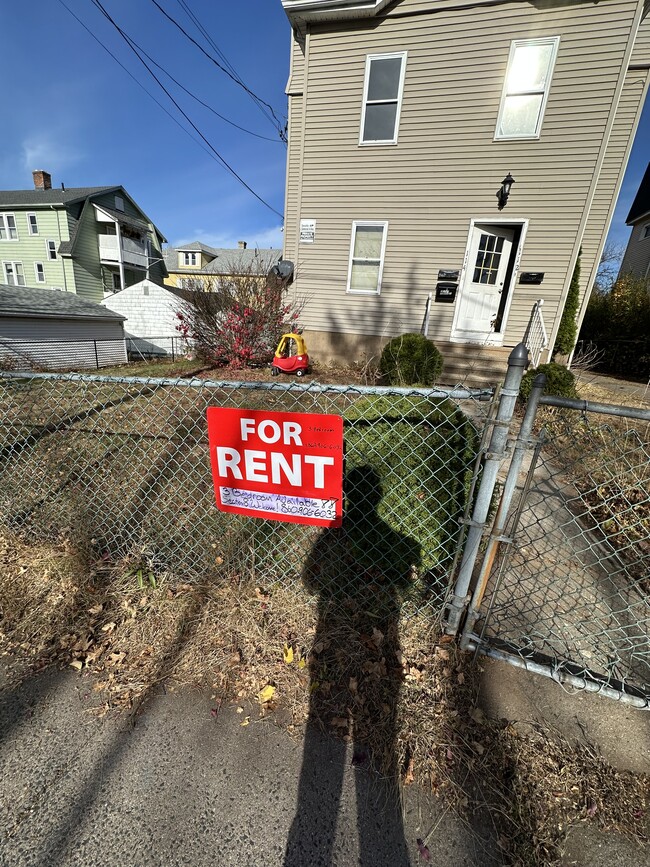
(182, 787)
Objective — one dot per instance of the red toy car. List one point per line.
(290, 356)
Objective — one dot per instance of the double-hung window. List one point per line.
(645, 234)
(8, 231)
(189, 258)
(525, 92)
(39, 270)
(382, 98)
(50, 246)
(367, 250)
(32, 224)
(14, 275)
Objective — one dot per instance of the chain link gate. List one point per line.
(564, 584)
(122, 465)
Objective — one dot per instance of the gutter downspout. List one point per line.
(58, 226)
(597, 168)
(301, 162)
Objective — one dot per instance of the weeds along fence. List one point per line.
(122, 466)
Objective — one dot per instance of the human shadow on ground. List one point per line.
(360, 573)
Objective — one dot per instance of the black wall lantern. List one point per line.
(504, 191)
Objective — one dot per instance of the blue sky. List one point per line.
(73, 111)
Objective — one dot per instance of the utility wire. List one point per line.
(225, 164)
(185, 6)
(275, 120)
(195, 97)
(139, 83)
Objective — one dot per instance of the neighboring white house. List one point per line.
(57, 330)
(151, 313)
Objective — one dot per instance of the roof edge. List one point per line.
(317, 10)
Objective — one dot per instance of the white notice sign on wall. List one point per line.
(307, 231)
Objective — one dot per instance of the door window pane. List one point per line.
(488, 259)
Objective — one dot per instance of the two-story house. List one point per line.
(87, 240)
(198, 266)
(636, 260)
(467, 149)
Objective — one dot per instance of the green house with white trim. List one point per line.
(92, 241)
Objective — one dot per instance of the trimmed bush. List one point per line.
(410, 359)
(560, 382)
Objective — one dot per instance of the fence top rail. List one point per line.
(602, 408)
(481, 394)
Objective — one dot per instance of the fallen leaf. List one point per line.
(214, 712)
(109, 627)
(460, 677)
(96, 609)
(423, 850)
(287, 654)
(409, 776)
(441, 653)
(477, 715)
(445, 639)
(218, 560)
(245, 721)
(302, 662)
(339, 722)
(266, 694)
(353, 686)
(377, 636)
(479, 748)
(77, 664)
(240, 710)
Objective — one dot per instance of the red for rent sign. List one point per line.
(287, 466)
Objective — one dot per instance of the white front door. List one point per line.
(485, 274)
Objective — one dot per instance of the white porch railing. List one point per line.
(536, 338)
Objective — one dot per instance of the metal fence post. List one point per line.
(498, 528)
(517, 363)
(96, 355)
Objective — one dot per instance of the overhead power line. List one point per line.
(274, 118)
(139, 83)
(219, 157)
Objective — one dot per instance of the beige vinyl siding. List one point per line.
(86, 265)
(611, 176)
(641, 53)
(291, 218)
(637, 254)
(446, 168)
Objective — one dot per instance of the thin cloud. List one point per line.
(44, 152)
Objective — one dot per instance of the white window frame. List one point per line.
(514, 45)
(52, 255)
(29, 215)
(42, 271)
(355, 226)
(14, 273)
(366, 84)
(645, 232)
(5, 225)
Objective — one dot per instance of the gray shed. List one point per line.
(56, 330)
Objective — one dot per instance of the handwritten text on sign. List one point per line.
(282, 465)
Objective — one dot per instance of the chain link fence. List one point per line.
(570, 595)
(122, 465)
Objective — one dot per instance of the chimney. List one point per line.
(42, 180)
(241, 245)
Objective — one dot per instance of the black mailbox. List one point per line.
(531, 278)
(446, 292)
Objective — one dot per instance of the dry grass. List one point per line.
(410, 703)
